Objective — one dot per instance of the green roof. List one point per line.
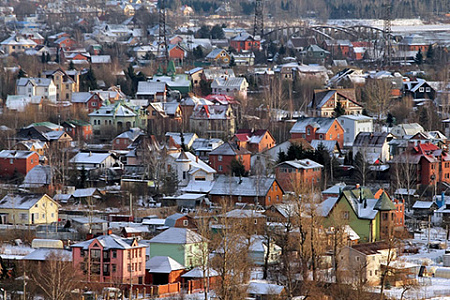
(384, 203)
(78, 122)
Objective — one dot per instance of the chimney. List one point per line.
(90, 153)
(196, 159)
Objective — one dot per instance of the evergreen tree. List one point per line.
(48, 57)
(89, 81)
(217, 32)
(21, 73)
(232, 61)
(43, 58)
(339, 110)
(71, 65)
(419, 57)
(430, 54)
(198, 52)
(237, 168)
(390, 120)
(205, 87)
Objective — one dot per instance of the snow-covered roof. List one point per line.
(82, 193)
(38, 177)
(198, 187)
(15, 154)
(43, 254)
(198, 272)
(176, 235)
(20, 201)
(114, 110)
(264, 288)
(163, 264)
(244, 186)
(322, 124)
(150, 88)
(89, 158)
(108, 242)
(301, 164)
(422, 204)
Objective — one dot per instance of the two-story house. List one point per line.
(324, 102)
(353, 125)
(43, 87)
(221, 157)
(318, 128)
(110, 258)
(253, 140)
(374, 146)
(17, 161)
(294, 174)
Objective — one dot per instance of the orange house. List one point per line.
(254, 141)
(221, 157)
(318, 128)
(19, 161)
(176, 52)
(264, 191)
(245, 42)
(293, 174)
(163, 270)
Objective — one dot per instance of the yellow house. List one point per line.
(28, 209)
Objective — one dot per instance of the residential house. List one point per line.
(203, 147)
(419, 90)
(65, 43)
(423, 210)
(299, 43)
(399, 213)
(425, 163)
(40, 178)
(318, 128)
(17, 162)
(118, 117)
(264, 191)
(177, 52)
(359, 208)
(187, 137)
(110, 258)
(218, 57)
(126, 138)
(400, 130)
(163, 270)
(294, 174)
(37, 146)
(54, 135)
(188, 167)
(353, 125)
(287, 71)
(195, 75)
(324, 102)
(28, 209)
(153, 91)
(213, 121)
(339, 49)
(245, 42)
(183, 245)
(89, 101)
(163, 117)
(231, 86)
(180, 221)
(373, 146)
(254, 140)
(43, 87)
(17, 44)
(413, 42)
(314, 54)
(363, 261)
(221, 157)
(90, 160)
(66, 82)
(78, 129)
(20, 103)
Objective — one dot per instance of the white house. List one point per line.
(17, 43)
(231, 86)
(189, 167)
(374, 146)
(354, 124)
(43, 87)
(90, 160)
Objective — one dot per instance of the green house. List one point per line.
(181, 244)
(359, 209)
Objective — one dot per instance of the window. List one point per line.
(345, 215)
(421, 89)
(321, 137)
(357, 258)
(239, 198)
(220, 158)
(23, 216)
(114, 254)
(308, 131)
(220, 168)
(185, 223)
(31, 161)
(94, 103)
(114, 268)
(11, 161)
(428, 90)
(331, 136)
(338, 136)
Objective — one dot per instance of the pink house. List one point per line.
(110, 258)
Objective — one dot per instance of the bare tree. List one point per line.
(377, 96)
(56, 277)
